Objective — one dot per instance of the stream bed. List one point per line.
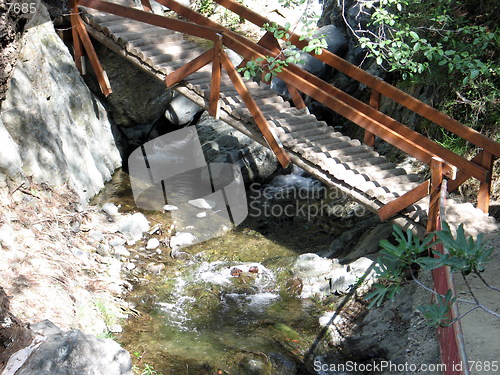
(233, 304)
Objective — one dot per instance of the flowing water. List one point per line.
(231, 304)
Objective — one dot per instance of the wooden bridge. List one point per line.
(204, 73)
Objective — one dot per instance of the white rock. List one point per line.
(103, 250)
(121, 251)
(115, 328)
(153, 243)
(182, 239)
(130, 266)
(202, 203)
(96, 235)
(170, 207)
(201, 214)
(110, 209)
(7, 237)
(117, 241)
(132, 227)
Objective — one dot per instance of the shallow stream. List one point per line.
(229, 305)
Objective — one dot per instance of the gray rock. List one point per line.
(132, 227)
(181, 111)
(53, 118)
(117, 241)
(223, 144)
(73, 352)
(138, 98)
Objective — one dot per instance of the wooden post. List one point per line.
(146, 6)
(483, 196)
(260, 120)
(369, 138)
(435, 192)
(214, 107)
(77, 42)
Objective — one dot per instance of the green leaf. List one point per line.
(379, 60)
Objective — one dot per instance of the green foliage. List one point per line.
(464, 254)
(270, 66)
(205, 7)
(451, 43)
(393, 263)
(438, 314)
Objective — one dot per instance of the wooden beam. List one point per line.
(483, 196)
(214, 107)
(435, 193)
(77, 42)
(191, 67)
(152, 19)
(258, 116)
(376, 83)
(397, 205)
(146, 6)
(369, 138)
(102, 77)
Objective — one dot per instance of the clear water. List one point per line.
(201, 317)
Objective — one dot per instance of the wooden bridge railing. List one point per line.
(365, 115)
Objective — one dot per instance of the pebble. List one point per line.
(110, 209)
(122, 251)
(117, 241)
(115, 328)
(103, 250)
(201, 214)
(204, 204)
(96, 235)
(155, 268)
(129, 266)
(152, 244)
(170, 207)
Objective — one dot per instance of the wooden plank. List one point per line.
(257, 114)
(102, 77)
(433, 221)
(152, 19)
(369, 138)
(191, 67)
(77, 43)
(399, 204)
(214, 107)
(377, 84)
(146, 6)
(483, 196)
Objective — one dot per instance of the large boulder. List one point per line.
(54, 129)
(223, 144)
(72, 353)
(137, 98)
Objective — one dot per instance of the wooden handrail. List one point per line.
(152, 19)
(377, 84)
(367, 116)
